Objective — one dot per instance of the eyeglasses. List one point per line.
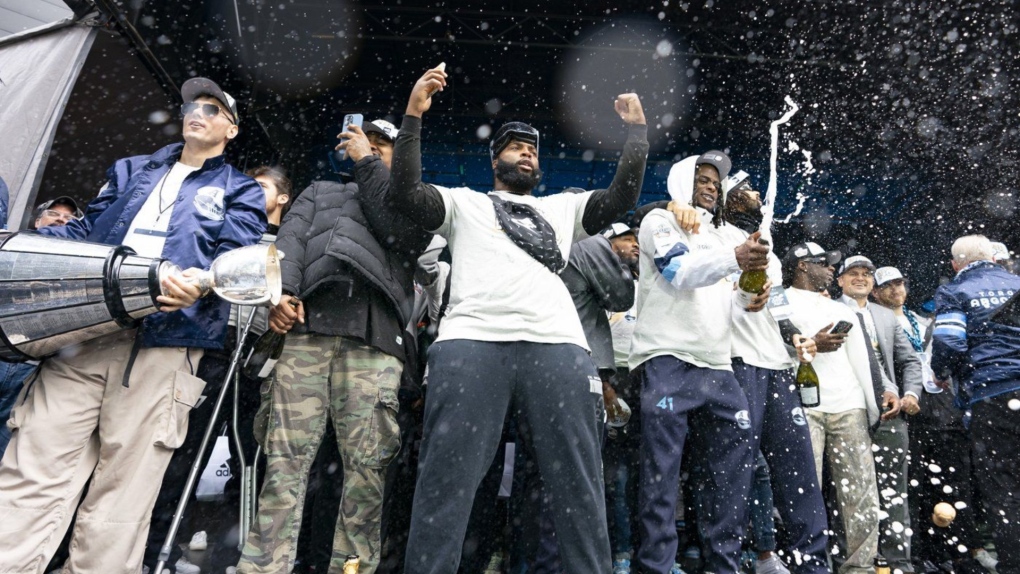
(208, 110)
(58, 215)
(702, 180)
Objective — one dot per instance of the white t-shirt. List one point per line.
(147, 233)
(498, 292)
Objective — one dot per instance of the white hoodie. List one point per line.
(684, 309)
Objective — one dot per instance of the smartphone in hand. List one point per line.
(842, 328)
(349, 120)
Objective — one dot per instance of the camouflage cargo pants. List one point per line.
(317, 379)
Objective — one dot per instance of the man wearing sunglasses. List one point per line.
(849, 399)
(57, 211)
(13, 375)
(117, 407)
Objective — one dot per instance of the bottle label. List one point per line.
(779, 303)
(267, 368)
(809, 396)
(744, 298)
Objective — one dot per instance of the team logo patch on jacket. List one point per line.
(798, 416)
(209, 202)
(743, 419)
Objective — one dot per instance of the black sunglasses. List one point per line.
(208, 110)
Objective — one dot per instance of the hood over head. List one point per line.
(680, 182)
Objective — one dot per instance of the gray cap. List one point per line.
(856, 261)
(884, 275)
(197, 87)
(718, 159)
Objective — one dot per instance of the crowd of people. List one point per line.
(498, 382)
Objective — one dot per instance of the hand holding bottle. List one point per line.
(759, 301)
(805, 346)
(287, 312)
(752, 255)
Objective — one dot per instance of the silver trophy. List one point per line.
(55, 293)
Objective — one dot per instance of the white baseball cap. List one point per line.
(884, 275)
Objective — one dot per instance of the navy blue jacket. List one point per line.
(4, 200)
(982, 356)
(218, 209)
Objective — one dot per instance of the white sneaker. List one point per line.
(985, 559)
(200, 541)
(183, 566)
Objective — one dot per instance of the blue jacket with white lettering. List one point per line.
(982, 356)
(218, 209)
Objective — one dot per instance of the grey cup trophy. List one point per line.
(55, 293)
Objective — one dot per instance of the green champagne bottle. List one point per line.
(807, 384)
(751, 283)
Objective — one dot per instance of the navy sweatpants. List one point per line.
(677, 396)
(557, 398)
(779, 427)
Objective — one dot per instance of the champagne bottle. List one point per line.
(751, 283)
(807, 384)
(881, 565)
(265, 353)
(352, 564)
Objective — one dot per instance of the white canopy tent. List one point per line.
(38, 69)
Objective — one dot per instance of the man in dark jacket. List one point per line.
(213, 369)
(979, 351)
(598, 277)
(348, 288)
(116, 408)
(510, 337)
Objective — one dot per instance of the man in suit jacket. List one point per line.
(938, 440)
(900, 365)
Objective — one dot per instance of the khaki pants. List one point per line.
(843, 439)
(318, 379)
(77, 420)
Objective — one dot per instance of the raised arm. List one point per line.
(607, 205)
(390, 226)
(418, 201)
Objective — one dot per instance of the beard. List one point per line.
(514, 180)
